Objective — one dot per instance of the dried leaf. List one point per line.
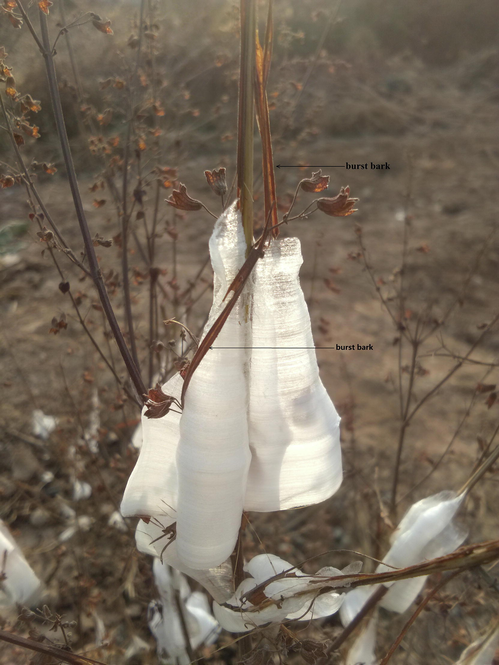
(491, 399)
(18, 138)
(58, 324)
(98, 203)
(50, 169)
(30, 104)
(102, 26)
(158, 109)
(340, 205)
(99, 241)
(105, 118)
(44, 5)
(64, 287)
(216, 180)
(7, 181)
(182, 201)
(16, 22)
(30, 130)
(485, 387)
(158, 404)
(105, 84)
(317, 183)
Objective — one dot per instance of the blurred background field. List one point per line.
(414, 84)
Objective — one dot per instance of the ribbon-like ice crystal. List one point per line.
(258, 430)
(18, 583)
(294, 595)
(425, 532)
(165, 621)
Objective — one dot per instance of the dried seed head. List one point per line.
(317, 183)
(182, 201)
(340, 205)
(216, 180)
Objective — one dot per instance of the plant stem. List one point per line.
(93, 264)
(370, 604)
(246, 119)
(415, 615)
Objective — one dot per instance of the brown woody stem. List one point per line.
(246, 120)
(93, 264)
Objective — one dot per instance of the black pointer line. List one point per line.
(272, 347)
(311, 166)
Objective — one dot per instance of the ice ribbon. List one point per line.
(482, 651)
(164, 619)
(20, 585)
(425, 532)
(258, 430)
(238, 615)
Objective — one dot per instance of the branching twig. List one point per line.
(132, 368)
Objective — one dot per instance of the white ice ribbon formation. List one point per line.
(425, 532)
(258, 430)
(294, 595)
(18, 583)
(164, 615)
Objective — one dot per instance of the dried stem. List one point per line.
(366, 609)
(246, 120)
(131, 366)
(415, 615)
(48, 650)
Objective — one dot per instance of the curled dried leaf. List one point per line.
(99, 241)
(340, 205)
(158, 404)
(30, 130)
(485, 387)
(102, 26)
(6, 181)
(182, 201)
(30, 104)
(50, 169)
(317, 183)
(216, 180)
(15, 20)
(44, 5)
(105, 118)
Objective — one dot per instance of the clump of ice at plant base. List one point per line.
(258, 430)
(18, 583)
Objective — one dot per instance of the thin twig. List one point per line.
(415, 615)
(132, 368)
(48, 650)
(366, 609)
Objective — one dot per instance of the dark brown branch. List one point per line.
(49, 650)
(415, 615)
(366, 609)
(131, 366)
